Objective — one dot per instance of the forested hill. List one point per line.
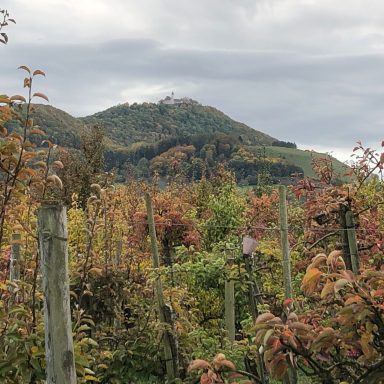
(126, 124)
(189, 139)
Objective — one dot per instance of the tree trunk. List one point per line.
(53, 247)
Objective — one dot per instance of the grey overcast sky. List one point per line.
(309, 71)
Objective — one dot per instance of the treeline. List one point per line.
(197, 156)
(285, 144)
(142, 140)
(127, 124)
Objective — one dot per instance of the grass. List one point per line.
(303, 159)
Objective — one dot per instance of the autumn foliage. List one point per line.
(332, 331)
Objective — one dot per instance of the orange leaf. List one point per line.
(353, 300)
(378, 293)
(366, 347)
(4, 99)
(335, 259)
(205, 379)
(264, 317)
(279, 366)
(36, 131)
(18, 98)
(38, 72)
(287, 333)
(198, 364)
(39, 94)
(25, 68)
(227, 364)
(317, 260)
(311, 281)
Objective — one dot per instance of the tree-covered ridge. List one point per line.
(190, 140)
(126, 124)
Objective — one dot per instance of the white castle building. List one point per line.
(170, 100)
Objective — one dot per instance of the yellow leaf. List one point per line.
(96, 271)
(340, 284)
(56, 180)
(91, 378)
(34, 349)
(311, 281)
(41, 164)
(328, 289)
(58, 164)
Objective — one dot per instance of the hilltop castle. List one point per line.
(170, 100)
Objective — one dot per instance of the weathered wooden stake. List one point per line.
(169, 344)
(291, 377)
(230, 302)
(352, 242)
(284, 242)
(117, 257)
(14, 267)
(343, 209)
(251, 288)
(116, 260)
(53, 248)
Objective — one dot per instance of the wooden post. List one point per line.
(14, 267)
(284, 242)
(291, 377)
(352, 242)
(251, 288)
(53, 248)
(230, 302)
(117, 258)
(343, 209)
(249, 246)
(169, 343)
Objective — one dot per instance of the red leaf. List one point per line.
(287, 302)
